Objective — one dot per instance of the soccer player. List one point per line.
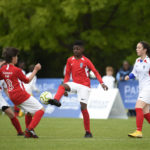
(141, 71)
(79, 66)
(14, 77)
(30, 87)
(8, 111)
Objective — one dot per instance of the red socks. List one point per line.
(28, 119)
(16, 124)
(60, 93)
(86, 120)
(139, 118)
(36, 119)
(147, 117)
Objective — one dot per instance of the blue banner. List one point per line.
(70, 105)
(129, 93)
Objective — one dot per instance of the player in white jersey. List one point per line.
(141, 71)
(30, 87)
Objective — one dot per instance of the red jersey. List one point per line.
(79, 68)
(13, 77)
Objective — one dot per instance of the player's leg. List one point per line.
(16, 110)
(140, 105)
(146, 111)
(60, 92)
(83, 95)
(86, 120)
(13, 119)
(28, 119)
(34, 107)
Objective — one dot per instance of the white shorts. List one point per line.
(31, 105)
(144, 95)
(2, 102)
(82, 91)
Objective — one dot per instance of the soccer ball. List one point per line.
(45, 96)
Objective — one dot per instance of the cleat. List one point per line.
(136, 134)
(54, 102)
(20, 134)
(88, 135)
(30, 134)
(20, 114)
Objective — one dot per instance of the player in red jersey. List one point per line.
(79, 66)
(6, 108)
(14, 77)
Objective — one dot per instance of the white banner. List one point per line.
(106, 104)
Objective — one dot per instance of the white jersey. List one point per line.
(109, 81)
(32, 85)
(141, 71)
(2, 84)
(2, 100)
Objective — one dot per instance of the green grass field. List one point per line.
(67, 134)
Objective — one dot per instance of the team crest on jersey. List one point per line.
(81, 65)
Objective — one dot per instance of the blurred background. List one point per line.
(44, 31)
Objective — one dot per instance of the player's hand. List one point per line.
(126, 78)
(104, 87)
(66, 93)
(37, 67)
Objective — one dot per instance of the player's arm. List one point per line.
(98, 76)
(25, 79)
(132, 75)
(68, 71)
(34, 72)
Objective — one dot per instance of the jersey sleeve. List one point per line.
(21, 76)
(68, 71)
(92, 67)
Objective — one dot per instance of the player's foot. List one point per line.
(30, 134)
(54, 102)
(20, 134)
(88, 135)
(136, 134)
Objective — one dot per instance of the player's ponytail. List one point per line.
(146, 46)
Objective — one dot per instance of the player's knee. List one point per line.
(4, 108)
(83, 106)
(43, 109)
(67, 88)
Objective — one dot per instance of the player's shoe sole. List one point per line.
(30, 134)
(88, 135)
(54, 102)
(136, 134)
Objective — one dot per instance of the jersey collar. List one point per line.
(145, 60)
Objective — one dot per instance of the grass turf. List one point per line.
(67, 134)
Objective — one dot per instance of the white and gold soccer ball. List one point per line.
(45, 96)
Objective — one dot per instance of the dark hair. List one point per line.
(31, 68)
(1, 59)
(146, 46)
(79, 43)
(8, 53)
